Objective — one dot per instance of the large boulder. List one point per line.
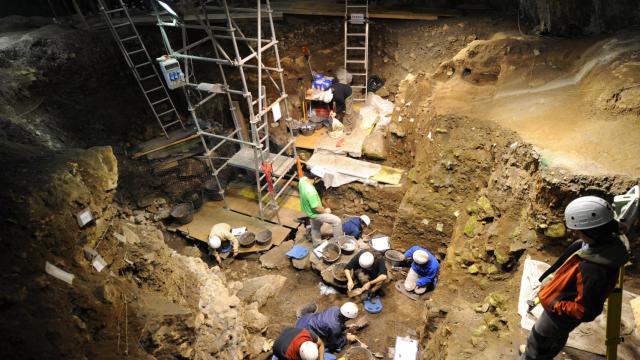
(374, 147)
(260, 289)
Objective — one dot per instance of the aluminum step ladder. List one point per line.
(142, 66)
(356, 46)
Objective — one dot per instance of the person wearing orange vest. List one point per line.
(576, 286)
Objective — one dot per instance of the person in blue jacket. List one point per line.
(330, 326)
(423, 275)
(353, 226)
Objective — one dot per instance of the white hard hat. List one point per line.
(420, 257)
(588, 212)
(215, 242)
(366, 260)
(308, 350)
(349, 310)
(365, 219)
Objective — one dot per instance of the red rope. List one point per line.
(268, 170)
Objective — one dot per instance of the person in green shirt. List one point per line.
(311, 205)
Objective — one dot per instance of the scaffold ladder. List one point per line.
(142, 66)
(236, 53)
(356, 45)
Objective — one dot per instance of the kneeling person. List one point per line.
(369, 271)
(330, 326)
(298, 344)
(220, 237)
(423, 275)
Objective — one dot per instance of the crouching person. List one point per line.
(298, 344)
(330, 326)
(222, 242)
(369, 271)
(423, 274)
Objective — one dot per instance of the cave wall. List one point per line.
(578, 17)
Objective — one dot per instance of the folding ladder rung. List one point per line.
(165, 113)
(356, 34)
(357, 6)
(159, 101)
(128, 38)
(356, 61)
(359, 74)
(356, 48)
(147, 77)
(121, 25)
(143, 64)
(135, 51)
(154, 89)
(171, 123)
(114, 10)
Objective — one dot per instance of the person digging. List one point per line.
(575, 287)
(298, 344)
(355, 225)
(330, 325)
(222, 243)
(311, 205)
(423, 273)
(369, 271)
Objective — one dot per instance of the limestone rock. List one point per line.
(260, 289)
(254, 320)
(470, 227)
(473, 269)
(397, 130)
(492, 270)
(486, 209)
(383, 92)
(373, 146)
(556, 231)
(130, 236)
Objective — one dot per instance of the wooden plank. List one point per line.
(213, 17)
(175, 137)
(242, 198)
(245, 159)
(212, 213)
(192, 147)
(309, 142)
(324, 8)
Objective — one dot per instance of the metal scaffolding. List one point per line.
(231, 50)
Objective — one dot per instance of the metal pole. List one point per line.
(614, 318)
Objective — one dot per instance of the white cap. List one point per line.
(215, 242)
(420, 257)
(588, 212)
(309, 350)
(349, 310)
(365, 219)
(366, 260)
